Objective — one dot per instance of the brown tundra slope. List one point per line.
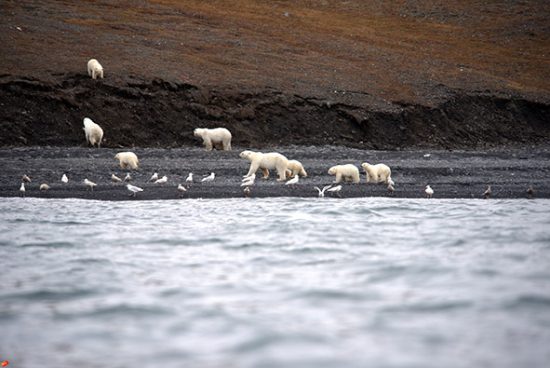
(367, 74)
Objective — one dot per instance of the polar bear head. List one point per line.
(332, 170)
(246, 154)
(199, 132)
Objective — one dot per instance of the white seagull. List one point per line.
(90, 184)
(487, 192)
(429, 191)
(115, 178)
(128, 177)
(22, 189)
(64, 179)
(293, 181)
(133, 189)
(44, 186)
(208, 178)
(154, 177)
(162, 180)
(189, 178)
(335, 189)
(322, 191)
(181, 189)
(26, 179)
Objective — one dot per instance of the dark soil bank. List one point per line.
(451, 174)
(135, 112)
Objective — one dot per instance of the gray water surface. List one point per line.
(275, 283)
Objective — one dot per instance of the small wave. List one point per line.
(59, 244)
(49, 295)
(530, 301)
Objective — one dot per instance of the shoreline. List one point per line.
(452, 174)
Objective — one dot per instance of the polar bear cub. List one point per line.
(93, 132)
(295, 167)
(127, 159)
(95, 69)
(214, 137)
(347, 172)
(378, 173)
(269, 161)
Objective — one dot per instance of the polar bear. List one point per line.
(127, 159)
(93, 132)
(295, 167)
(212, 138)
(266, 161)
(347, 172)
(379, 173)
(95, 69)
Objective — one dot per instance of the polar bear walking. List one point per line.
(295, 167)
(378, 173)
(268, 161)
(212, 138)
(347, 172)
(127, 160)
(93, 132)
(95, 69)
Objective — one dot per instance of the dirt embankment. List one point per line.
(362, 74)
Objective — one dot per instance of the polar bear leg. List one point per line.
(338, 177)
(281, 172)
(253, 168)
(355, 178)
(101, 74)
(208, 144)
(265, 172)
(226, 145)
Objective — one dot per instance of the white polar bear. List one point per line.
(347, 172)
(127, 159)
(212, 138)
(93, 132)
(95, 69)
(295, 167)
(379, 173)
(266, 161)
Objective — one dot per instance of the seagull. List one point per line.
(26, 179)
(133, 189)
(427, 155)
(391, 189)
(64, 179)
(189, 178)
(487, 192)
(154, 177)
(44, 186)
(22, 189)
(530, 191)
(181, 189)
(128, 177)
(115, 178)
(247, 191)
(335, 189)
(322, 191)
(162, 180)
(429, 191)
(208, 178)
(293, 181)
(90, 184)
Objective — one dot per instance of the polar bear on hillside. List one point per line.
(347, 172)
(379, 173)
(213, 138)
(295, 167)
(127, 159)
(267, 161)
(93, 132)
(95, 69)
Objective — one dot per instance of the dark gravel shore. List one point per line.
(452, 174)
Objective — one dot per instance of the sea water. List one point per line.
(371, 282)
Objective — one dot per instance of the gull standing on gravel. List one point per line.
(429, 191)
(26, 179)
(128, 177)
(162, 180)
(189, 178)
(487, 192)
(22, 189)
(115, 178)
(133, 189)
(322, 191)
(181, 189)
(209, 178)
(293, 181)
(247, 191)
(154, 177)
(90, 184)
(64, 179)
(335, 190)
(44, 186)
